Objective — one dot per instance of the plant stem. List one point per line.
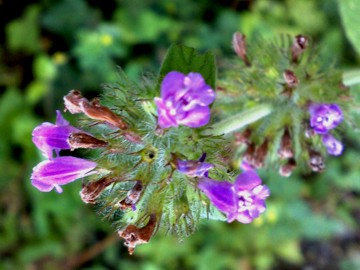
(239, 120)
(351, 77)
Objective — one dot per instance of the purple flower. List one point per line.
(48, 137)
(194, 168)
(324, 117)
(243, 200)
(52, 173)
(184, 100)
(333, 146)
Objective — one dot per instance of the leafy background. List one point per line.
(49, 47)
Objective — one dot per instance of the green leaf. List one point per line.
(349, 11)
(26, 26)
(185, 59)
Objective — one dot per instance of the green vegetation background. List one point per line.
(49, 47)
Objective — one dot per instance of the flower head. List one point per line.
(49, 137)
(52, 173)
(324, 117)
(194, 168)
(333, 146)
(184, 100)
(243, 200)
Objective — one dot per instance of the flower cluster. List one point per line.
(151, 147)
(323, 118)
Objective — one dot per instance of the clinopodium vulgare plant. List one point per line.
(173, 149)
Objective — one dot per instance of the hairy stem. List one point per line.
(239, 120)
(351, 77)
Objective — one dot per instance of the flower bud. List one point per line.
(95, 110)
(132, 197)
(134, 236)
(287, 169)
(316, 161)
(239, 45)
(299, 45)
(285, 151)
(83, 140)
(290, 79)
(260, 155)
(91, 191)
(72, 101)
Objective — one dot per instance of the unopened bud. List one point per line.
(91, 191)
(249, 154)
(83, 140)
(72, 101)
(260, 155)
(95, 110)
(290, 79)
(299, 45)
(316, 161)
(242, 137)
(239, 45)
(134, 236)
(285, 151)
(132, 197)
(287, 169)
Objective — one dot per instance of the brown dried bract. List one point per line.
(72, 101)
(83, 140)
(91, 191)
(134, 236)
(95, 110)
(239, 45)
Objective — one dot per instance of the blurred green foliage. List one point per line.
(49, 47)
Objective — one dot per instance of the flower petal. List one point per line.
(61, 170)
(333, 146)
(172, 82)
(165, 119)
(247, 180)
(197, 117)
(220, 193)
(44, 187)
(60, 120)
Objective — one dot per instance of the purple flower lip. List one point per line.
(59, 171)
(324, 117)
(185, 100)
(53, 137)
(194, 168)
(333, 146)
(243, 200)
